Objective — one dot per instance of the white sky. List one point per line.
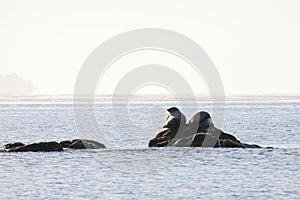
(254, 44)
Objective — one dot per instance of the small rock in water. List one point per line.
(66, 143)
(53, 146)
(12, 145)
(86, 144)
(41, 146)
(82, 144)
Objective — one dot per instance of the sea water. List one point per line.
(127, 169)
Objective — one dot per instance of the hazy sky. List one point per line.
(254, 44)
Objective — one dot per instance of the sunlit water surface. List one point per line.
(127, 169)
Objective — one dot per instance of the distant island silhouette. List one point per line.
(14, 85)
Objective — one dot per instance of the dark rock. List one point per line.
(205, 140)
(53, 146)
(82, 144)
(209, 140)
(182, 142)
(251, 146)
(198, 139)
(227, 136)
(230, 144)
(41, 146)
(164, 138)
(13, 145)
(161, 144)
(66, 143)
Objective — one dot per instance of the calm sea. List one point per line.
(127, 169)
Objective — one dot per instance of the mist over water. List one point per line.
(124, 169)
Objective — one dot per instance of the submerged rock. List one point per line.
(41, 146)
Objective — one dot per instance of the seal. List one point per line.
(173, 128)
(175, 120)
(200, 121)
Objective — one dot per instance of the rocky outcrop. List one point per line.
(53, 146)
(41, 146)
(162, 139)
(209, 140)
(201, 140)
(198, 140)
(211, 137)
(82, 144)
(13, 145)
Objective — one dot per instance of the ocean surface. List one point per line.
(127, 169)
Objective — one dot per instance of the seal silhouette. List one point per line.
(175, 120)
(174, 126)
(201, 121)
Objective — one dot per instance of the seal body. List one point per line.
(200, 122)
(173, 128)
(175, 120)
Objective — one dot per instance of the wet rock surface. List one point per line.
(41, 146)
(53, 146)
(200, 140)
(13, 145)
(82, 144)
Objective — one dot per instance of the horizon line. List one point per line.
(141, 98)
